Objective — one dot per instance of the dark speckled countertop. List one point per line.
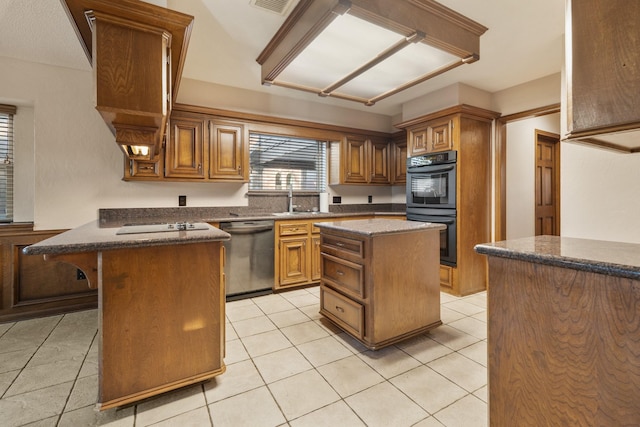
(598, 256)
(375, 226)
(92, 237)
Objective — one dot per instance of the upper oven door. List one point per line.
(432, 186)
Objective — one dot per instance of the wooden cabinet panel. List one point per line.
(342, 310)
(379, 162)
(431, 136)
(227, 151)
(33, 287)
(355, 163)
(399, 160)
(185, 151)
(603, 73)
(344, 275)
(316, 264)
(294, 261)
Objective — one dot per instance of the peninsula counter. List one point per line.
(161, 300)
(563, 332)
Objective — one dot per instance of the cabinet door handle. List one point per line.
(340, 273)
(339, 244)
(340, 309)
(199, 167)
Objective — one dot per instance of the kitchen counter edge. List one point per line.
(91, 237)
(618, 259)
(377, 226)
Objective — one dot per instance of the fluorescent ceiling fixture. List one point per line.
(355, 50)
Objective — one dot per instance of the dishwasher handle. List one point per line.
(246, 228)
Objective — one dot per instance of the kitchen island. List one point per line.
(563, 332)
(380, 278)
(161, 303)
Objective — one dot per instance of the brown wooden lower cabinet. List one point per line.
(33, 287)
(564, 346)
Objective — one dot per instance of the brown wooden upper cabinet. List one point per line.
(603, 73)
(137, 54)
(185, 150)
(360, 159)
(228, 151)
(198, 147)
(430, 137)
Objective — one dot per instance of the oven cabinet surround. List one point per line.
(161, 306)
(563, 332)
(603, 73)
(361, 159)
(137, 52)
(467, 130)
(198, 147)
(380, 278)
(33, 287)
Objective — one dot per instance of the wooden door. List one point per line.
(355, 160)
(399, 174)
(294, 265)
(184, 154)
(226, 152)
(440, 136)
(379, 162)
(547, 219)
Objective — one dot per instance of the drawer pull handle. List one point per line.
(340, 309)
(340, 273)
(339, 244)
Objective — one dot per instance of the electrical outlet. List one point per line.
(182, 200)
(337, 199)
(80, 275)
(370, 198)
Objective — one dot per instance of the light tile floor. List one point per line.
(286, 366)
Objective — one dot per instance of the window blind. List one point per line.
(6, 162)
(281, 162)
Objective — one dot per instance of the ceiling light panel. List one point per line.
(365, 51)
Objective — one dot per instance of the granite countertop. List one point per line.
(92, 237)
(194, 216)
(377, 226)
(598, 256)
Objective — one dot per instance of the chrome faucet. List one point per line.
(290, 198)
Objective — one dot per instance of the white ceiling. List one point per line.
(524, 42)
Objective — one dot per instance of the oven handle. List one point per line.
(431, 169)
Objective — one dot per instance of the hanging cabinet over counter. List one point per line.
(603, 73)
(137, 52)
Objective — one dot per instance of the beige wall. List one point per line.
(521, 172)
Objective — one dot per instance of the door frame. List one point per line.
(500, 162)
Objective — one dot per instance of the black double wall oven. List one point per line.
(431, 197)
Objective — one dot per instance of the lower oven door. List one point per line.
(448, 246)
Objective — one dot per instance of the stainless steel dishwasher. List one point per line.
(249, 265)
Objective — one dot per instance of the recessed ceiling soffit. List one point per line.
(367, 50)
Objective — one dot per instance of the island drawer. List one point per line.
(343, 311)
(344, 275)
(343, 246)
(293, 228)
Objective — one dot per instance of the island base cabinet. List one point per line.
(563, 346)
(383, 288)
(161, 324)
